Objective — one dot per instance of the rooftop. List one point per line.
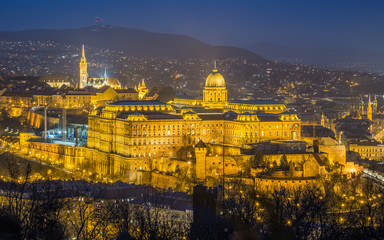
(257, 102)
(122, 103)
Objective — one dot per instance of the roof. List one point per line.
(211, 116)
(320, 131)
(150, 115)
(200, 144)
(103, 89)
(318, 159)
(151, 102)
(113, 81)
(268, 118)
(257, 102)
(215, 79)
(129, 90)
(27, 129)
(356, 115)
(365, 142)
(80, 93)
(53, 78)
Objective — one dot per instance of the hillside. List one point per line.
(134, 42)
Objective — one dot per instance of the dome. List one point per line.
(215, 79)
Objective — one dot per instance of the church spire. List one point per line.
(322, 120)
(83, 52)
(361, 105)
(83, 70)
(369, 109)
(374, 105)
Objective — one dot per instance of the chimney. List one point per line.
(316, 146)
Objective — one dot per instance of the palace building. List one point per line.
(94, 82)
(158, 129)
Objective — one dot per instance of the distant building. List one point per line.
(370, 149)
(85, 80)
(55, 81)
(84, 98)
(142, 90)
(353, 127)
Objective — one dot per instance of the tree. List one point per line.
(258, 161)
(33, 210)
(86, 218)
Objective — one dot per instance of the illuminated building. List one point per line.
(370, 149)
(55, 81)
(94, 82)
(152, 129)
(369, 109)
(86, 99)
(142, 90)
(374, 105)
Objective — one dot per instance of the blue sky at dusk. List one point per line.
(336, 24)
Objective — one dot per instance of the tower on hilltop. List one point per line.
(215, 93)
(83, 70)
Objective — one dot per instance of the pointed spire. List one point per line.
(143, 83)
(214, 66)
(369, 109)
(83, 52)
(105, 73)
(322, 120)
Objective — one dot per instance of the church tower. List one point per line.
(215, 93)
(361, 106)
(374, 106)
(369, 109)
(142, 90)
(83, 70)
(322, 120)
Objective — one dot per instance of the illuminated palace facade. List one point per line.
(153, 129)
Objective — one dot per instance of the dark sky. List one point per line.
(305, 23)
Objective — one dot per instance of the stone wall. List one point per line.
(295, 158)
(277, 184)
(336, 153)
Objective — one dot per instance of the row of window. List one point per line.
(368, 149)
(165, 126)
